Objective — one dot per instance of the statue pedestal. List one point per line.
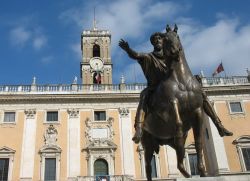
(235, 177)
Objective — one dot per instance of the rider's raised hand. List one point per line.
(123, 44)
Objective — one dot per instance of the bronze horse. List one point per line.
(176, 106)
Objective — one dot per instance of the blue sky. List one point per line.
(42, 38)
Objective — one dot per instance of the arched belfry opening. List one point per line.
(101, 167)
(96, 50)
(97, 78)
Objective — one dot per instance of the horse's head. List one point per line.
(171, 43)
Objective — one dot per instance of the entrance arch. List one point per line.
(101, 167)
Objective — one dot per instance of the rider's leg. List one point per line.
(139, 118)
(140, 114)
(212, 114)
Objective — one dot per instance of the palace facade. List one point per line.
(84, 131)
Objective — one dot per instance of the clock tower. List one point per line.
(96, 64)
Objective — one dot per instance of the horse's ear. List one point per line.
(168, 28)
(175, 28)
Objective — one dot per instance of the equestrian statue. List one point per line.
(173, 102)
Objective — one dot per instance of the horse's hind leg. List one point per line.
(197, 129)
(179, 141)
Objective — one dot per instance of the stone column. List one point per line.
(74, 149)
(216, 152)
(127, 151)
(28, 146)
(142, 160)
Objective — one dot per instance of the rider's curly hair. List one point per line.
(154, 35)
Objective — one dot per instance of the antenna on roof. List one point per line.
(94, 23)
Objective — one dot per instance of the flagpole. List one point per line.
(225, 74)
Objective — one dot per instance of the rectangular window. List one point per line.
(235, 107)
(100, 115)
(50, 169)
(246, 156)
(4, 169)
(9, 117)
(193, 163)
(52, 116)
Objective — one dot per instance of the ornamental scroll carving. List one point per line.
(50, 136)
(92, 125)
(30, 113)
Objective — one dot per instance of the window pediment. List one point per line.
(50, 149)
(6, 150)
(101, 144)
(242, 140)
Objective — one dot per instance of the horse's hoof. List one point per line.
(203, 175)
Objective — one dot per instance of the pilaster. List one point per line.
(73, 143)
(127, 151)
(28, 146)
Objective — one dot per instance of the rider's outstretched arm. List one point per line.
(132, 53)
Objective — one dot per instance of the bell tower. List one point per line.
(96, 64)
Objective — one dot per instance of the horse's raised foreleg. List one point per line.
(197, 129)
(179, 140)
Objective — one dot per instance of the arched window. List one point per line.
(96, 50)
(101, 167)
(243, 146)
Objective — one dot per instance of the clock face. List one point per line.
(96, 63)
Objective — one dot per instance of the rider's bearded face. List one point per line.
(157, 42)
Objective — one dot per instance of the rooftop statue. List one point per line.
(173, 102)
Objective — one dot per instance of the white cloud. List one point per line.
(19, 36)
(39, 42)
(76, 48)
(224, 41)
(47, 59)
(25, 35)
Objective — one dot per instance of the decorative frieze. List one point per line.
(73, 113)
(30, 113)
(123, 111)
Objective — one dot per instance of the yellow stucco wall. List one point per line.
(11, 137)
(239, 125)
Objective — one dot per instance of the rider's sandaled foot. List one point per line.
(224, 132)
(137, 137)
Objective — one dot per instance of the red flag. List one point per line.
(98, 78)
(218, 70)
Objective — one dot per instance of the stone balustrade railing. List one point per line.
(111, 88)
(73, 88)
(220, 81)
